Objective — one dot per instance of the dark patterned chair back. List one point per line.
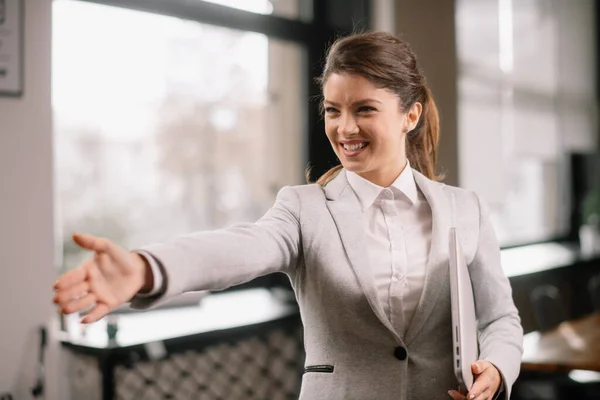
(548, 307)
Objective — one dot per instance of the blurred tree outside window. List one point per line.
(165, 126)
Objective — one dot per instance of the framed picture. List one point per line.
(11, 47)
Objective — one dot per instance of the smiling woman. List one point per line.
(379, 111)
(367, 127)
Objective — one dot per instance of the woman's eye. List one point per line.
(366, 109)
(330, 110)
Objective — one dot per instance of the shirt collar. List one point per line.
(367, 192)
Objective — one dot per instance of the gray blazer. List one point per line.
(315, 235)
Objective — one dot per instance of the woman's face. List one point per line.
(366, 127)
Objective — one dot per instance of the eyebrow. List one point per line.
(356, 103)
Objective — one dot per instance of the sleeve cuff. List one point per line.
(157, 275)
(500, 391)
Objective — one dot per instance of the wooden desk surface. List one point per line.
(572, 345)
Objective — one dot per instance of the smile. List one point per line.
(351, 149)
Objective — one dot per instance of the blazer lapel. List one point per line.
(347, 215)
(437, 274)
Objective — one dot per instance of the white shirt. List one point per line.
(156, 275)
(397, 222)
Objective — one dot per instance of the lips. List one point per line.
(352, 148)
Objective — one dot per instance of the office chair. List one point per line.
(548, 307)
(594, 291)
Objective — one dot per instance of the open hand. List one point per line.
(111, 277)
(487, 382)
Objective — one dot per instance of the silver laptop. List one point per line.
(464, 321)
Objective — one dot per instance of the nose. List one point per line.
(348, 125)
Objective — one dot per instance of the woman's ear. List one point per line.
(412, 116)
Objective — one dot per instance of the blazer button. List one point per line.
(400, 353)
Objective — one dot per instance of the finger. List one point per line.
(455, 395)
(477, 390)
(95, 314)
(481, 385)
(102, 246)
(72, 293)
(485, 395)
(91, 242)
(79, 304)
(479, 367)
(72, 278)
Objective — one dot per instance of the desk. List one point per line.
(244, 344)
(543, 257)
(572, 345)
(559, 264)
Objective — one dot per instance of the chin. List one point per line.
(356, 167)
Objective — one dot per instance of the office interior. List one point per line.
(139, 120)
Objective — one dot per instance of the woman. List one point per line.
(366, 248)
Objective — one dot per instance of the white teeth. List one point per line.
(353, 147)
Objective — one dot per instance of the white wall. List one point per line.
(383, 15)
(26, 214)
(576, 75)
(429, 27)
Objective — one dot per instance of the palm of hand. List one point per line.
(102, 283)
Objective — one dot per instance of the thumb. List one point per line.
(90, 242)
(102, 245)
(477, 367)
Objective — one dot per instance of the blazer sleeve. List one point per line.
(500, 330)
(215, 260)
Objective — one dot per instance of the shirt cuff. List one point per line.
(157, 275)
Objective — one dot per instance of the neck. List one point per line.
(385, 178)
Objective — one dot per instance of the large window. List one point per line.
(165, 125)
(526, 100)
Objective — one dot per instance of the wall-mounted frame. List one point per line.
(11, 47)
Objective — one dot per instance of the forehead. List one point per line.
(342, 88)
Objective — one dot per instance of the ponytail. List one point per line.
(421, 142)
(326, 177)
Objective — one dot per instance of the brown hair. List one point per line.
(389, 63)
